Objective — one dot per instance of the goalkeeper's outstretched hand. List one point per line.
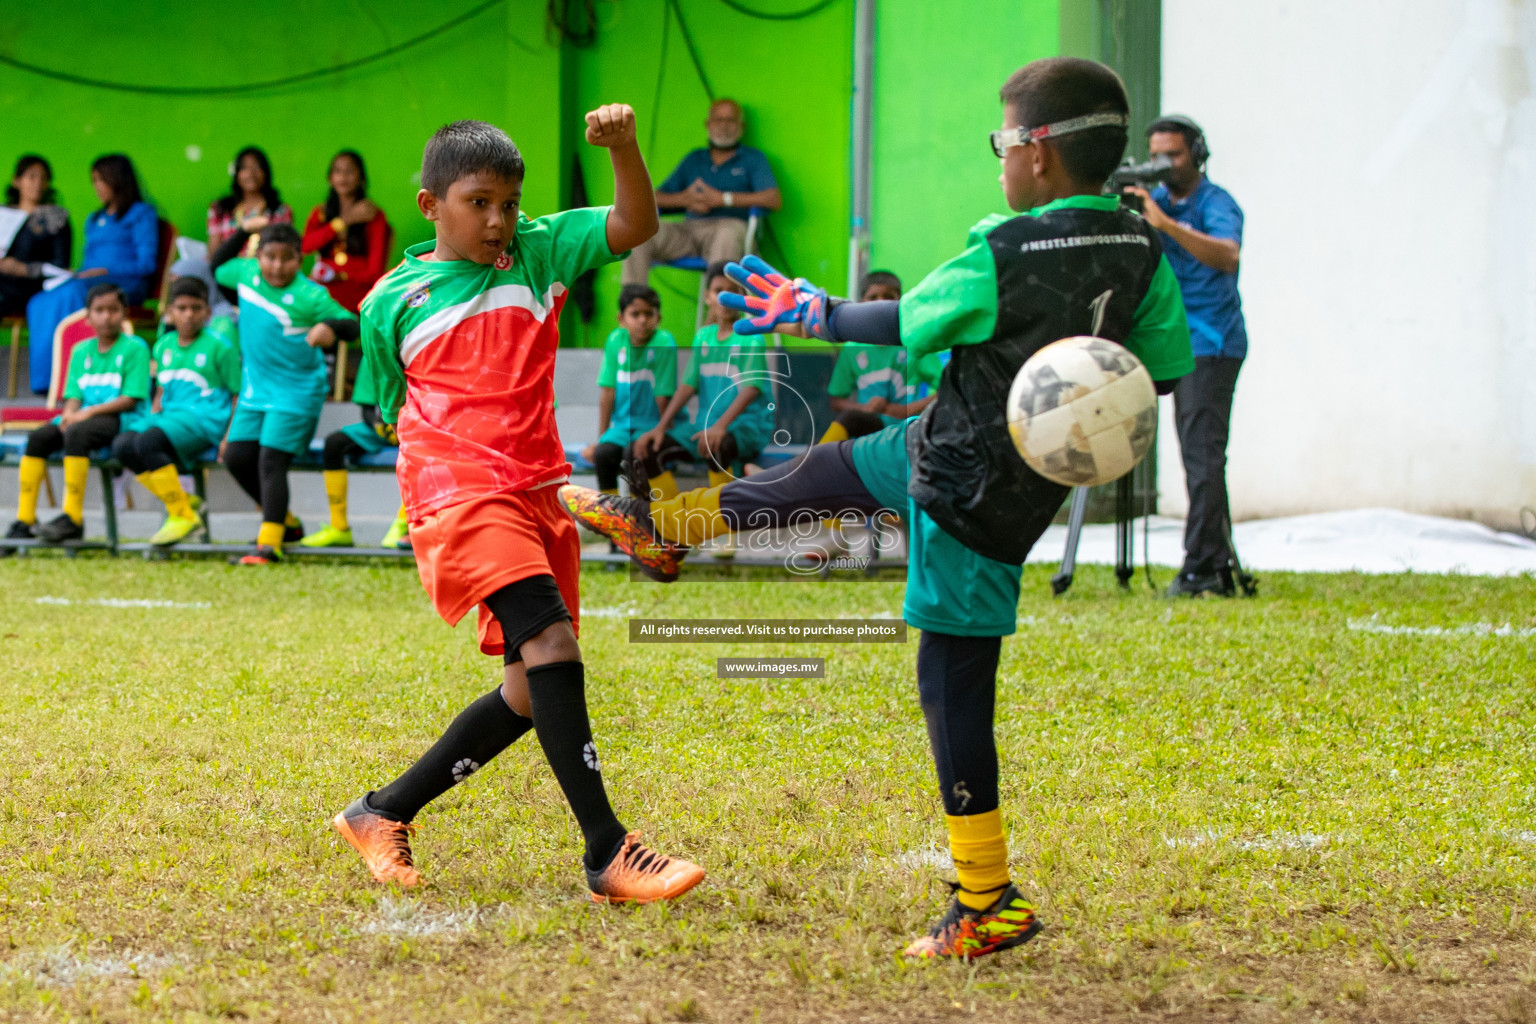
(772, 301)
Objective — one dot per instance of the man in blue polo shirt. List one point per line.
(716, 186)
(1202, 234)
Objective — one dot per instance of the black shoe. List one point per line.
(60, 529)
(18, 531)
(293, 534)
(1194, 584)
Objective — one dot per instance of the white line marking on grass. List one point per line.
(405, 917)
(932, 857)
(609, 613)
(123, 602)
(1371, 625)
(1274, 841)
(61, 966)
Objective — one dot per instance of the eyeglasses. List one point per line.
(1005, 139)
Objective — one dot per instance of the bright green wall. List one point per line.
(794, 79)
(936, 82)
(495, 67)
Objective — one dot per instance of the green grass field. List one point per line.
(1243, 810)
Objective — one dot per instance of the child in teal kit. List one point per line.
(285, 320)
(729, 373)
(637, 379)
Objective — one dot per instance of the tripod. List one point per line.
(1125, 491)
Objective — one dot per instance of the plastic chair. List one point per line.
(72, 330)
(754, 220)
(339, 392)
(16, 324)
(165, 244)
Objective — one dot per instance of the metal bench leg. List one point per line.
(109, 509)
(200, 486)
(1063, 578)
(15, 364)
(341, 371)
(53, 501)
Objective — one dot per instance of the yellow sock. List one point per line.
(270, 535)
(401, 514)
(336, 494)
(690, 518)
(291, 521)
(77, 469)
(33, 469)
(608, 490)
(719, 478)
(836, 432)
(165, 484)
(663, 486)
(981, 857)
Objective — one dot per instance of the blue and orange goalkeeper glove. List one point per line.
(772, 300)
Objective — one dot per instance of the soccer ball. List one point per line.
(1082, 411)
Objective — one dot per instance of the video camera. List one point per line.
(1148, 175)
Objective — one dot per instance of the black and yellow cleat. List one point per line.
(967, 933)
(626, 522)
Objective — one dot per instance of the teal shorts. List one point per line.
(365, 437)
(190, 434)
(950, 588)
(285, 431)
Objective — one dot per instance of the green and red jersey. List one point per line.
(462, 356)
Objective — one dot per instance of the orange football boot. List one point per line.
(638, 874)
(626, 522)
(384, 843)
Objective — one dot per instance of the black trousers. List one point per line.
(1202, 404)
(80, 440)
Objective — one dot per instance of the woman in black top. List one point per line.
(45, 237)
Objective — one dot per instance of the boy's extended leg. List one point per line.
(151, 457)
(333, 465)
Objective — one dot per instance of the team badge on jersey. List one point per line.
(418, 297)
(503, 262)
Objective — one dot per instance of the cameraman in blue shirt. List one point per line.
(716, 187)
(1202, 233)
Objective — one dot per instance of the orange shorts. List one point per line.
(467, 552)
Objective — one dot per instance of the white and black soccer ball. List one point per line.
(1082, 411)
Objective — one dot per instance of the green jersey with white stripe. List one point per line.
(96, 376)
(279, 371)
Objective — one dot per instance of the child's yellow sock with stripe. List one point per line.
(719, 478)
(336, 496)
(165, 484)
(981, 857)
(33, 469)
(270, 535)
(690, 518)
(77, 469)
(663, 486)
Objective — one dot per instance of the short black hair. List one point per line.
(105, 288)
(716, 269)
(1057, 88)
(283, 234)
(636, 293)
(462, 148)
(192, 287)
(884, 277)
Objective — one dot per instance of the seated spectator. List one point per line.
(734, 420)
(874, 386)
(252, 202)
(717, 186)
(348, 234)
(44, 237)
(284, 322)
(106, 382)
(121, 247)
(370, 436)
(198, 373)
(638, 376)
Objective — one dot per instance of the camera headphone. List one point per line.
(1199, 151)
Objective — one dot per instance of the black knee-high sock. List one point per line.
(558, 700)
(482, 730)
(957, 684)
(273, 467)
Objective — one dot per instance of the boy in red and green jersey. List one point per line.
(461, 341)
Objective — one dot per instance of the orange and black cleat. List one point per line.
(626, 522)
(384, 842)
(967, 933)
(638, 874)
(263, 555)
